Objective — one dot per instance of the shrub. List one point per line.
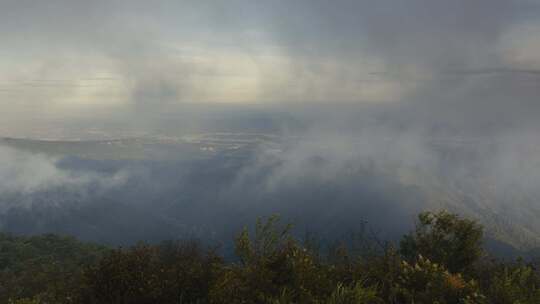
(518, 283)
(445, 239)
(428, 282)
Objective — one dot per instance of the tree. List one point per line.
(446, 239)
(173, 272)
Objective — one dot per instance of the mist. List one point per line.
(333, 115)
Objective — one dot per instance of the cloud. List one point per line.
(297, 51)
(25, 173)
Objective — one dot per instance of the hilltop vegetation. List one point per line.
(48, 266)
(441, 261)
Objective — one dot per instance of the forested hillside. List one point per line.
(441, 261)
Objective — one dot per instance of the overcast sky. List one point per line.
(67, 57)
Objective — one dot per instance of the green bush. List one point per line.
(512, 283)
(427, 282)
(271, 263)
(170, 273)
(356, 294)
(47, 268)
(446, 239)
(439, 262)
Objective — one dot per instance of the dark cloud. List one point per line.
(334, 51)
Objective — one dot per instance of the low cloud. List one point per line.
(24, 173)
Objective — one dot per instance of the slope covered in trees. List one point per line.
(441, 261)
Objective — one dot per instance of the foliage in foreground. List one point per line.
(441, 261)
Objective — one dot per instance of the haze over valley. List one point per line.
(126, 121)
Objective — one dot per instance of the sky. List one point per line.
(462, 60)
